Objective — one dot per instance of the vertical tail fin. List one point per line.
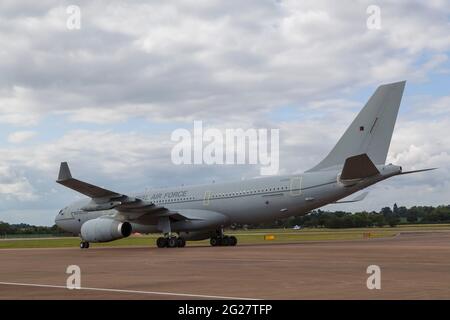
(371, 131)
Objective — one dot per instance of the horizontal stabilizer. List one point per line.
(358, 167)
(361, 197)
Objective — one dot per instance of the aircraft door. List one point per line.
(296, 186)
(207, 198)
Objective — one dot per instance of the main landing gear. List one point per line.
(222, 240)
(170, 242)
(84, 245)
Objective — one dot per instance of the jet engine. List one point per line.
(104, 230)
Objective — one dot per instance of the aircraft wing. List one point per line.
(104, 199)
(65, 178)
(131, 208)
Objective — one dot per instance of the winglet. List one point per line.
(64, 172)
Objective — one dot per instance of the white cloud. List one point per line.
(17, 106)
(21, 136)
(159, 58)
(228, 63)
(13, 185)
(439, 107)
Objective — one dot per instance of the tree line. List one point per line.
(26, 229)
(315, 219)
(387, 216)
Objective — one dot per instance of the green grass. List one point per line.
(244, 237)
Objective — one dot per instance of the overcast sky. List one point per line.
(106, 97)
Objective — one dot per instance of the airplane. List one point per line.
(202, 212)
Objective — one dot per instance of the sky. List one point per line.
(106, 96)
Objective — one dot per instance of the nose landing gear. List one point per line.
(84, 245)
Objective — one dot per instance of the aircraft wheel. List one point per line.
(172, 242)
(225, 241)
(161, 242)
(214, 242)
(233, 241)
(84, 245)
(181, 242)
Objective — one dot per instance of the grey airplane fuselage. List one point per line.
(244, 202)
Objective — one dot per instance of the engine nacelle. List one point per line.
(104, 230)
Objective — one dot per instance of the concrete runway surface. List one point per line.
(413, 266)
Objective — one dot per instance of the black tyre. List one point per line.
(214, 242)
(84, 245)
(233, 241)
(181, 242)
(172, 242)
(161, 242)
(226, 241)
